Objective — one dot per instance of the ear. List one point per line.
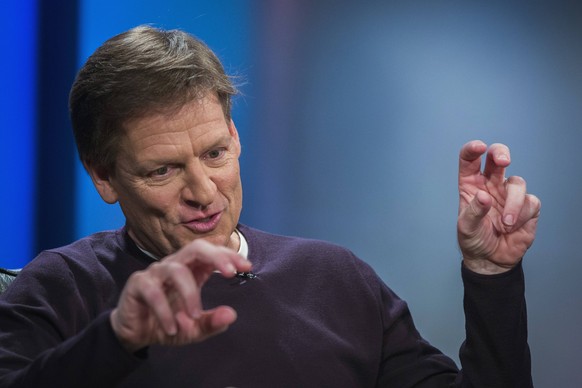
(234, 134)
(101, 178)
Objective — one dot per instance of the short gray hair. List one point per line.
(136, 73)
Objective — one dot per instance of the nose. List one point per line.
(199, 189)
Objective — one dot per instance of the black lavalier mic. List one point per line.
(245, 275)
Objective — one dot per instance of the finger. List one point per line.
(149, 291)
(471, 216)
(530, 211)
(217, 320)
(470, 158)
(180, 283)
(515, 188)
(498, 158)
(215, 257)
(210, 323)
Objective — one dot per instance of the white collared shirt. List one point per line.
(243, 248)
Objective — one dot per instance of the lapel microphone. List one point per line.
(245, 275)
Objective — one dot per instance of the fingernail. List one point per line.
(503, 157)
(508, 220)
(230, 268)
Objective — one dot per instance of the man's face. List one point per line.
(177, 178)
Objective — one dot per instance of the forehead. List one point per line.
(191, 124)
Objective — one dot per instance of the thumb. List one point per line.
(217, 320)
(470, 217)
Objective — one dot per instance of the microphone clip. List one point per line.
(245, 275)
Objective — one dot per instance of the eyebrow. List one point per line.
(223, 140)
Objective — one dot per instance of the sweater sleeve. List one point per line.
(55, 334)
(408, 360)
(92, 358)
(495, 352)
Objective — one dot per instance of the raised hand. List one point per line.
(497, 217)
(162, 305)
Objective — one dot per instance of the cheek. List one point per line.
(163, 203)
(227, 179)
(156, 202)
(232, 185)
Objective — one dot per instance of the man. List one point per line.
(144, 306)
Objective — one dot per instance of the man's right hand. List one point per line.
(162, 304)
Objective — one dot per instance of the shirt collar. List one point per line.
(243, 248)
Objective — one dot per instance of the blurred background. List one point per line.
(351, 115)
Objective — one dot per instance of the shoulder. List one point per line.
(268, 250)
(94, 244)
(85, 252)
(98, 249)
(98, 260)
(261, 242)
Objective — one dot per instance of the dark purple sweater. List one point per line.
(315, 316)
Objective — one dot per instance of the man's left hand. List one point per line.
(497, 217)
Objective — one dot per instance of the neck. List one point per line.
(234, 241)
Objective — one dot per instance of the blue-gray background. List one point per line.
(351, 117)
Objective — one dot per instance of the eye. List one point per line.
(215, 154)
(160, 171)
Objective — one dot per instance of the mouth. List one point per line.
(205, 224)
